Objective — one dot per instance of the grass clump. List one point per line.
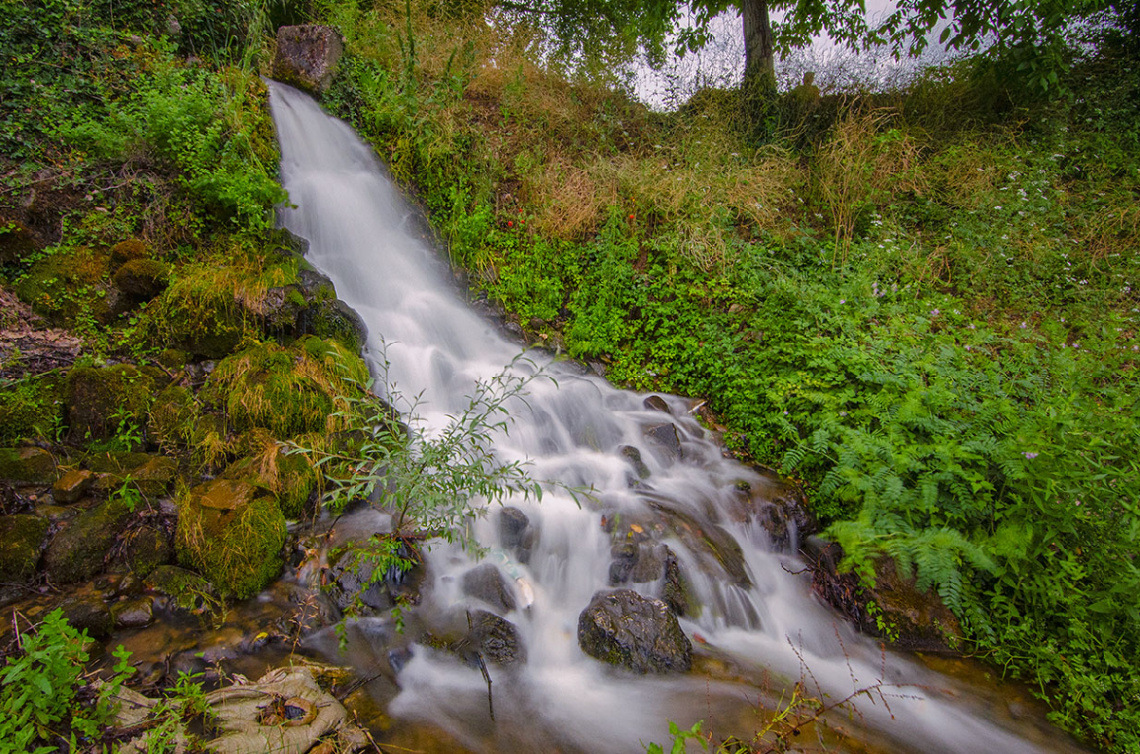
(288, 390)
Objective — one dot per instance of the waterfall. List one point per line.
(758, 629)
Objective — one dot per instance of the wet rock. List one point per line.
(778, 505)
(88, 612)
(72, 486)
(638, 633)
(516, 533)
(633, 455)
(21, 542)
(27, 465)
(485, 582)
(675, 590)
(497, 639)
(351, 591)
(623, 557)
(307, 56)
(665, 437)
(655, 403)
(77, 553)
(133, 613)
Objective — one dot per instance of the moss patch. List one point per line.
(67, 285)
(28, 465)
(21, 540)
(104, 401)
(172, 418)
(231, 536)
(286, 390)
(288, 476)
(142, 279)
(32, 407)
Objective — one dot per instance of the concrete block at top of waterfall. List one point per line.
(307, 56)
(635, 632)
(485, 582)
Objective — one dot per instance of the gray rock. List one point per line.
(497, 639)
(633, 455)
(638, 633)
(307, 56)
(655, 403)
(665, 437)
(133, 613)
(485, 582)
(516, 533)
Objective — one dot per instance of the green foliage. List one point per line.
(40, 709)
(432, 482)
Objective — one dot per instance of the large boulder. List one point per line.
(103, 401)
(232, 534)
(307, 56)
(497, 639)
(485, 582)
(624, 628)
(27, 465)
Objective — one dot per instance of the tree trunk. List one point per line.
(759, 58)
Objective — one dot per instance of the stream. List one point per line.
(659, 480)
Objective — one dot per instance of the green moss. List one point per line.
(68, 285)
(125, 251)
(28, 465)
(142, 279)
(21, 539)
(288, 476)
(186, 590)
(286, 390)
(231, 537)
(103, 401)
(32, 407)
(197, 317)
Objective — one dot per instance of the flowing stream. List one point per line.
(758, 629)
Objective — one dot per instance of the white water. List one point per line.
(768, 634)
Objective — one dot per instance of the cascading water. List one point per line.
(757, 622)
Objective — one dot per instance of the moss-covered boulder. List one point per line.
(148, 547)
(288, 476)
(196, 317)
(21, 542)
(129, 250)
(627, 629)
(140, 280)
(103, 401)
(67, 284)
(287, 390)
(233, 534)
(78, 552)
(150, 475)
(28, 465)
(334, 320)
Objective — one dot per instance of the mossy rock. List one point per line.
(184, 590)
(32, 407)
(27, 465)
(142, 279)
(172, 418)
(289, 476)
(232, 535)
(129, 250)
(195, 317)
(78, 552)
(147, 548)
(68, 284)
(102, 400)
(335, 320)
(21, 542)
(152, 475)
(287, 390)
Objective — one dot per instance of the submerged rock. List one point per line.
(626, 629)
(665, 437)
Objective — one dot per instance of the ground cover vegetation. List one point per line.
(921, 302)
